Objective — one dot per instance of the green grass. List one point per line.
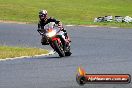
(10, 52)
(68, 11)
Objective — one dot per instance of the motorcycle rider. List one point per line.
(43, 16)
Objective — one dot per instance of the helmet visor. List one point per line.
(42, 16)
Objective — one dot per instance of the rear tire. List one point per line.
(59, 49)
(68, 52)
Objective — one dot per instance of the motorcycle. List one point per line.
(56, 39)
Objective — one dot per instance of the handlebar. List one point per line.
(41, 31)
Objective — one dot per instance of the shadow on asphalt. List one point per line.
(48, 57)
(53, 57)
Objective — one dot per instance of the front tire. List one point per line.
(59, 49)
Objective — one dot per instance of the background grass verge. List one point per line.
(68, 11)
(11, 52)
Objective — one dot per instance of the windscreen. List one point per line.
(51, 25)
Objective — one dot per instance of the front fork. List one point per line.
(60, 41)
(51, 40)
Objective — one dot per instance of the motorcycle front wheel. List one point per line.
(59, 48)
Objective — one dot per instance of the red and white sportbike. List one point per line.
(56, 39)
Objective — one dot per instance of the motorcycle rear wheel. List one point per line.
(68, 52)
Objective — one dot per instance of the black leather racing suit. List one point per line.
(41, 25)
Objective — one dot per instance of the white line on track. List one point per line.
(70, 25)
(21, 57)
(92, 26)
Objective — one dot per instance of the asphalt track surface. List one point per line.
(97, 50)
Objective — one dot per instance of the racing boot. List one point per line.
(44, 41)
